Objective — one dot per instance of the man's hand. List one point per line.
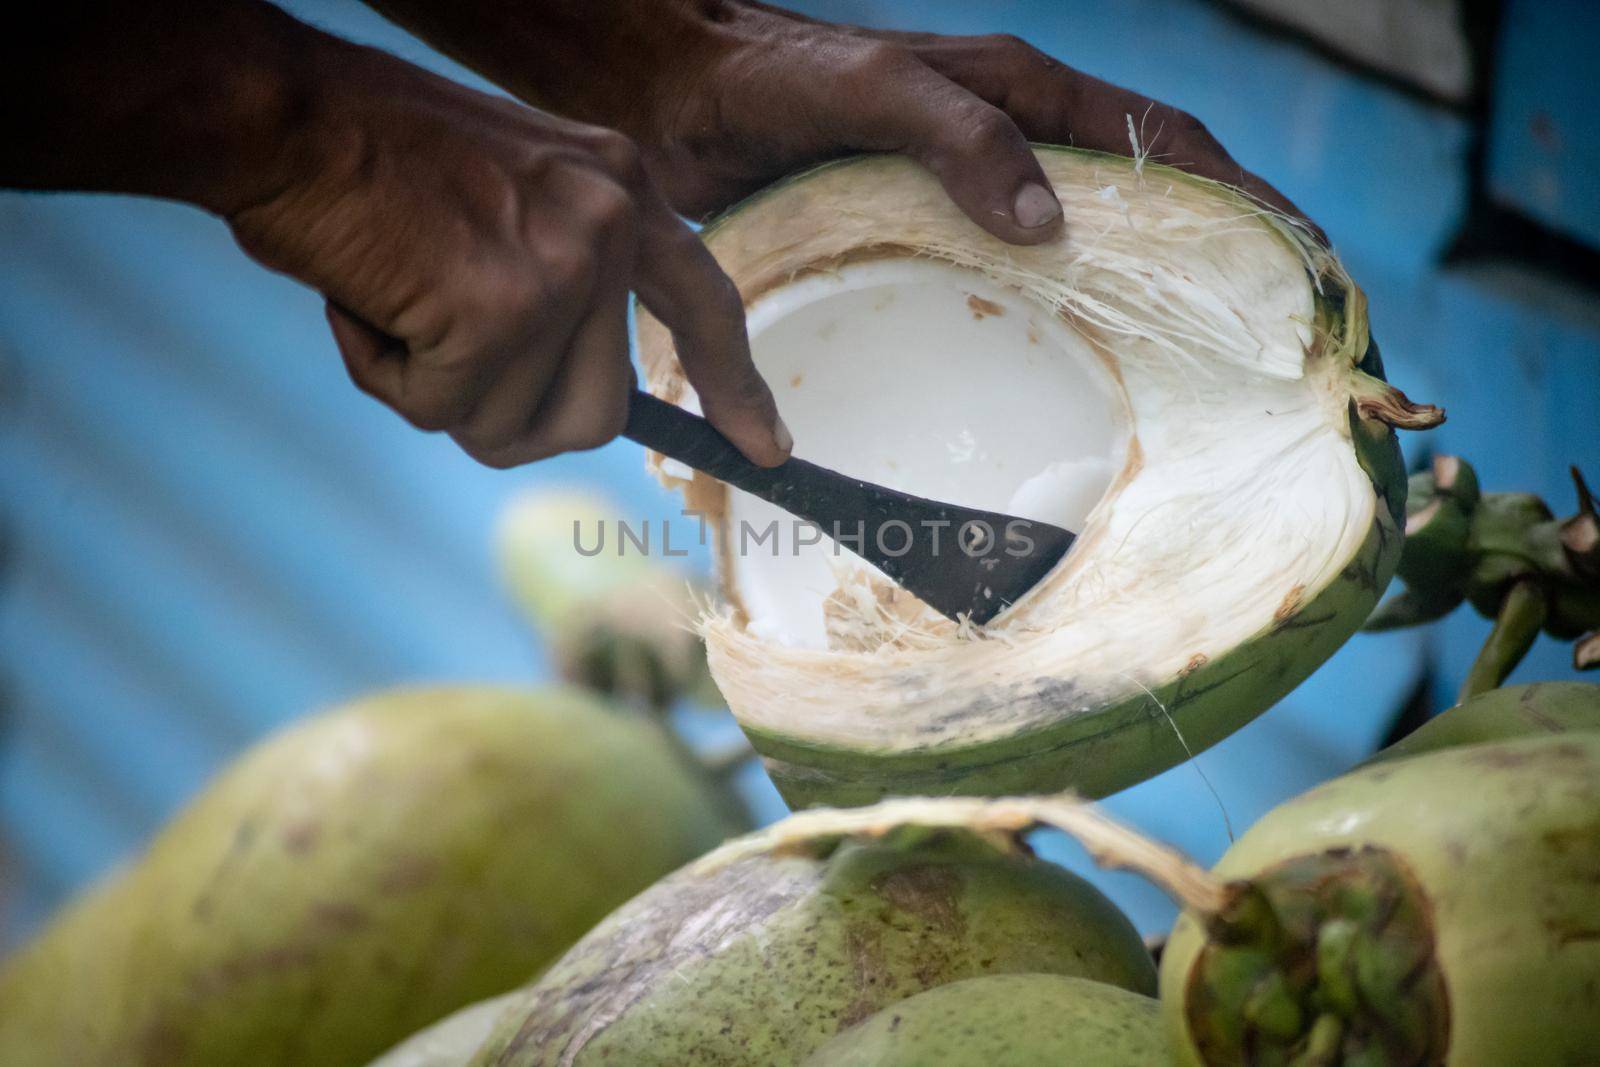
(962, 105)
(476, 255)
(477, 258)
(723, 96)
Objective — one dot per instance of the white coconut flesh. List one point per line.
(904, 372)
(1158, 380)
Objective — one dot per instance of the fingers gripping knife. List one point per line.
(959, 561)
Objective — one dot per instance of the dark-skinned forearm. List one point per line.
(596, 61)
(160, 99)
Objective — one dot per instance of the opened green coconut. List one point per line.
(1437, 909)
(1007, 1020)
(764, 949)
(359, 876)
(1185, 379)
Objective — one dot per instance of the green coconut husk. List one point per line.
(1011, 1020)
(356, 877)
(1502, 715)
(1436, 909)
(776, 942)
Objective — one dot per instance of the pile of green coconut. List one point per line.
(483, 876)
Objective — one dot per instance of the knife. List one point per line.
(962, 562)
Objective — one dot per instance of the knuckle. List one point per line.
(874, 60)
(500, 458)
(618, 154)
(436, 410)
(1007, 42)
(987, 129)
(724, 297)
(610, 209)
(442, 391)
(743, 389)
(1187, 126)
(574, 439)
(567, 273)
(608, 424)
(366, 380)
(488, 299)
(493, 454)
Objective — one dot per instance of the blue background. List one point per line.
(209, 532)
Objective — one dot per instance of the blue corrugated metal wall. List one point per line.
(210, 531)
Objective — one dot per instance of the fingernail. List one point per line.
(1035, 206)
(781, 434)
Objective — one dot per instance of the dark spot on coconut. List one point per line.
(301, 838)
(252, 965)
(794, 383)
(1565, 933)
(408, 874)
(1572, 840)
(1304, 622)
(1290, 604)
(1360, 574)
(1185, 693)
(866, 958)
(982, 308)
(931, 893)
(1533, 714)
(338, 917)
(1500, 757)
(162, 1042)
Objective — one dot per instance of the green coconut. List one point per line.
(1185, 379)
(1007, 1020)
(1503, 714)
(356, 877)
(1442, 909)
(766, 948)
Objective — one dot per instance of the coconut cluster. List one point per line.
(1509, 556)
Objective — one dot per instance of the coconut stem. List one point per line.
(1117, 847)
(1377, 399)
(1521, 614)
(1109, 843)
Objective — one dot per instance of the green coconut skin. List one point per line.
(357, 877)
(1503, 714)
(1501, 844)
(1127, 740)
(1007, 1020)
(758, 959)
(1110, 748)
